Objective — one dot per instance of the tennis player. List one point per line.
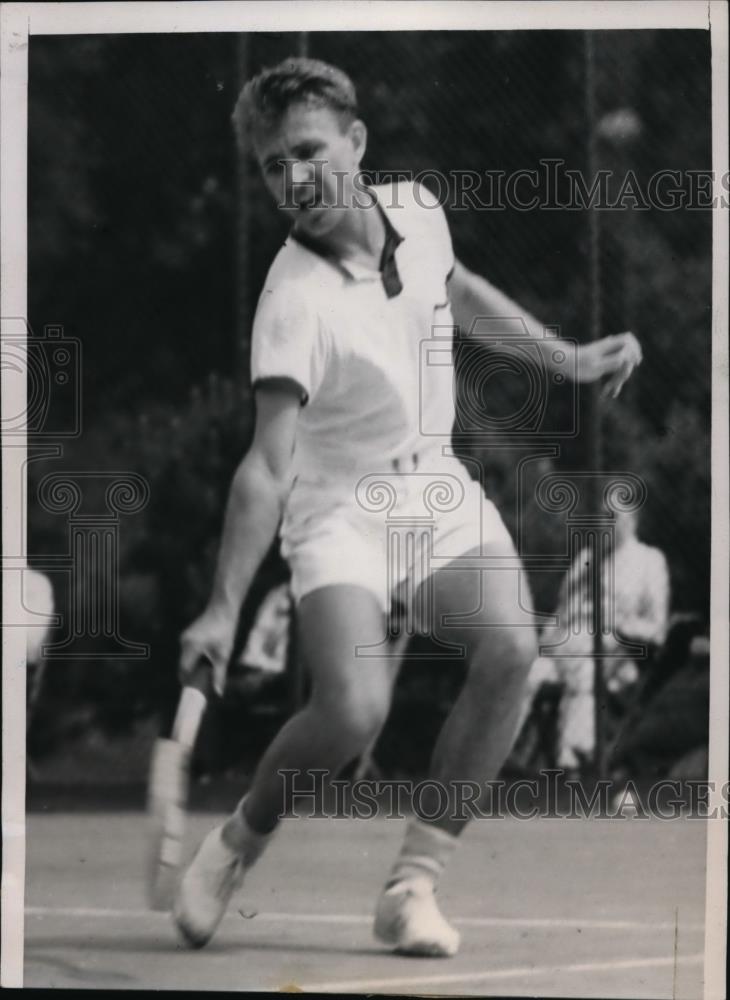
(363, 279)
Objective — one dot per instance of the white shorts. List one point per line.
(388, 531)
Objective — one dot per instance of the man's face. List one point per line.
(308, 164)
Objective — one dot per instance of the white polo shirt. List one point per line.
(356, 351)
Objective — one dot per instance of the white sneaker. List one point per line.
(215, 874)
(408, 918)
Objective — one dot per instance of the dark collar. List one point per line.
(388, 268)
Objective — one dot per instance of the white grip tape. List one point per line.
(189, 713)
(168, 774)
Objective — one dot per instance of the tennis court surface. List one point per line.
(548, 907)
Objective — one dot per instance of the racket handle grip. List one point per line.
(193, 701)
(201, 678)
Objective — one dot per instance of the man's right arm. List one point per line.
(253, 511)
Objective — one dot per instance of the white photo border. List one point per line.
(18, 21)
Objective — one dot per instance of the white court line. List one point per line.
(356, 918)
(363, 985)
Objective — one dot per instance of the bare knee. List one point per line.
(504, 656)
(365, 718)
(353, 718)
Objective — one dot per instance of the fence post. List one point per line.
(242, 280)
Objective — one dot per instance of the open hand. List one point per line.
(613, 357)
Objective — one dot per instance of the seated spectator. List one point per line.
(265, 652)
(39, 607)
(636, 583)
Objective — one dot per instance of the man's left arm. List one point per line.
(613, 357)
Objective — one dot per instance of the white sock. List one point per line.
(239, 836)
(425, 853)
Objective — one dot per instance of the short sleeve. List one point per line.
(287, 340)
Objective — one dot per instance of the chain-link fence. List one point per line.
(150, 239)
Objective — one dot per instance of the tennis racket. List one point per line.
(167, 790)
